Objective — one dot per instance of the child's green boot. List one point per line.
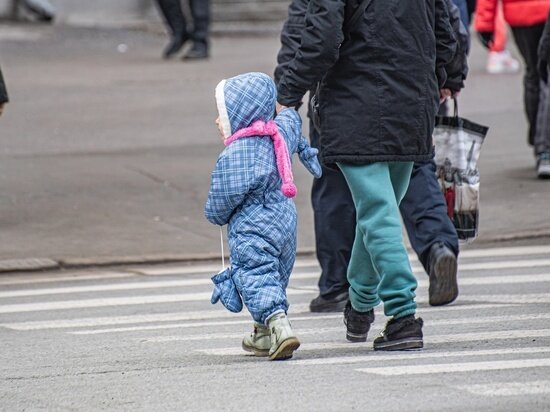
(283, 340)
(259, 341)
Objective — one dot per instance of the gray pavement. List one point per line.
(146, 338)
(105, 156)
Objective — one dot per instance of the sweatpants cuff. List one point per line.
(405, 313)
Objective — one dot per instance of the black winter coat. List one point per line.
(457, 68)
(3, 90)
(380, 87)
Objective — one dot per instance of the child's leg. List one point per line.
(288, 256)
(259, 284)
(376, 189)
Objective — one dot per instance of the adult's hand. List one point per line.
(444, 94)
(486, 38)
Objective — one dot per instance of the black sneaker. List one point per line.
(357, 323)
(331, 303)
(443, 267)
(401, 334)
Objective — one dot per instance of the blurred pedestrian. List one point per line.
(430, 231)
(3, 93)
(42, 10)
(527, 19)
(379, 91)
(542, 136)
(180, 31)
(499, 58)
(251, 192)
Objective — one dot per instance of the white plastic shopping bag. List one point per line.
(458, 144)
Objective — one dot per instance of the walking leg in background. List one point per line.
(200, 12)
(431, 232)
(173, 16)
(499, 59)
(542, 135)
(334, 220)
(3, 93)
(527, 39)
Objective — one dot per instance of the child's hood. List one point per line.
(244, 99)
(251, 97)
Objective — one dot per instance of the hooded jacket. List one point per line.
(379, 84)
(246, 194)
(517, 13)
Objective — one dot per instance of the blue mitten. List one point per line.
(308, 157)
(226, 291)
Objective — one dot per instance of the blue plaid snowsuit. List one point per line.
(245, 193)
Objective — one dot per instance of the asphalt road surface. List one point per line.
(147, 338)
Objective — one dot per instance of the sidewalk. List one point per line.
(106, 150)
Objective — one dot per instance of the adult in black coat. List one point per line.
(3, 93)
(378, 96)
(423, 208)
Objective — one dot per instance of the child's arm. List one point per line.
(289, 122)
(229, 186)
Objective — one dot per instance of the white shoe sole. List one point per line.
(286, 349)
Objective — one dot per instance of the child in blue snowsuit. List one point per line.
(251, 192)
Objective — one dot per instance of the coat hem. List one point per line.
(330, 161)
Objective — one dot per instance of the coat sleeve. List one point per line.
(289, 123)
(445, 41)
(457, 68)
(231, 181)
(318, 51)
(3, 90)
(486, 11)
(290, 36)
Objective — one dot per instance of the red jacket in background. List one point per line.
(517, 13)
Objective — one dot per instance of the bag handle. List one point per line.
(455, 101)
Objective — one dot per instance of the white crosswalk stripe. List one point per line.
(479, 280)
(500, 322)
(509, 388)
(457, 367)
(197, 315)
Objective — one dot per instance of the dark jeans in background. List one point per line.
(542, 135)
(527, 39)
(200, 12)
(423, 210)
(424, 213)
(334, 221)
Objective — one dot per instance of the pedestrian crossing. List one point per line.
(500, 322)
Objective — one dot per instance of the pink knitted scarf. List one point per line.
(260, 128)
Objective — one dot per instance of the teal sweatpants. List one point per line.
(379, 268)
